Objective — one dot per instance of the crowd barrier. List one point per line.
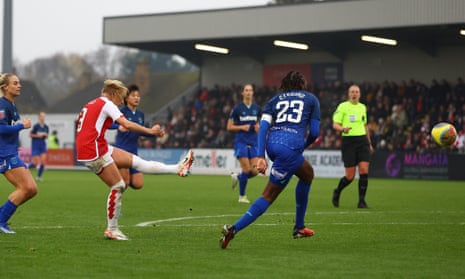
(326, 163)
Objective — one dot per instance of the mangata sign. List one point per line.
(428, 165)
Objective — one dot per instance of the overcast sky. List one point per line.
(42, 28)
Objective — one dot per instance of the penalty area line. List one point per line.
(174, 219)
(185, 218)
(151, 223)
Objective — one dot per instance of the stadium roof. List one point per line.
(332, 26)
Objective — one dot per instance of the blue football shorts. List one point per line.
(38, 149)
(10, 162)
(243, 150)
(286, 161)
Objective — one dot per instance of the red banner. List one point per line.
(60, 157)
(273, 74)
(55, 157)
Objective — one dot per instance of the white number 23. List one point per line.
(290, 111)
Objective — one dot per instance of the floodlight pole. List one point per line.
(7, 36)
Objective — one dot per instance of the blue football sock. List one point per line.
(242, 177)
(40, 171)
(7, 209)
(301, 201)
(256, 209)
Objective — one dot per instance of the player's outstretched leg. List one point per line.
(227, 232)
(185, 164)
(182, 168)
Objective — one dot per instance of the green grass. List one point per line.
(414, 229)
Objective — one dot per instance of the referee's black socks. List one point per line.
(344, 182)
(362, 186)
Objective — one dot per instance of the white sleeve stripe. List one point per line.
(112, 110)
(267, 117)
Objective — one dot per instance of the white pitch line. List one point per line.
(51, 227)
(150, 223)
(314, 224)
(155, 222)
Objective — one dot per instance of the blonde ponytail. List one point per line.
(114, 87)
(3, 81)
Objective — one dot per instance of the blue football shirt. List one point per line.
(242, 115)
(291, 113)
(129, 140)
(39, 144)
(9, 129)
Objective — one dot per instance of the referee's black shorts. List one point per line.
(355, 149)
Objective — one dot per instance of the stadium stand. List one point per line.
(400, 115)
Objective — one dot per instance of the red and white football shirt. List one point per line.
(94, 119)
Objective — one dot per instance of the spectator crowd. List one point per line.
(400, 116)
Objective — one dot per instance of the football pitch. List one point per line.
(414, 229)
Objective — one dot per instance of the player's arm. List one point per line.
(257, 124)
(33, 134)
(256, 127)
(338, 127)
(231, 127)
(114, 126)
(8, 129)
(367, 131)
(314, 132)
(45, 134)
(338, 117)
(262, 133)
(38, 135)
(134, 127)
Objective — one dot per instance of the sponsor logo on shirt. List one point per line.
(248, 118)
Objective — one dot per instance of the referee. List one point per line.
(350, 118)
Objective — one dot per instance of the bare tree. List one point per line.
(107, 61)
(57, 76)
(60, 75)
